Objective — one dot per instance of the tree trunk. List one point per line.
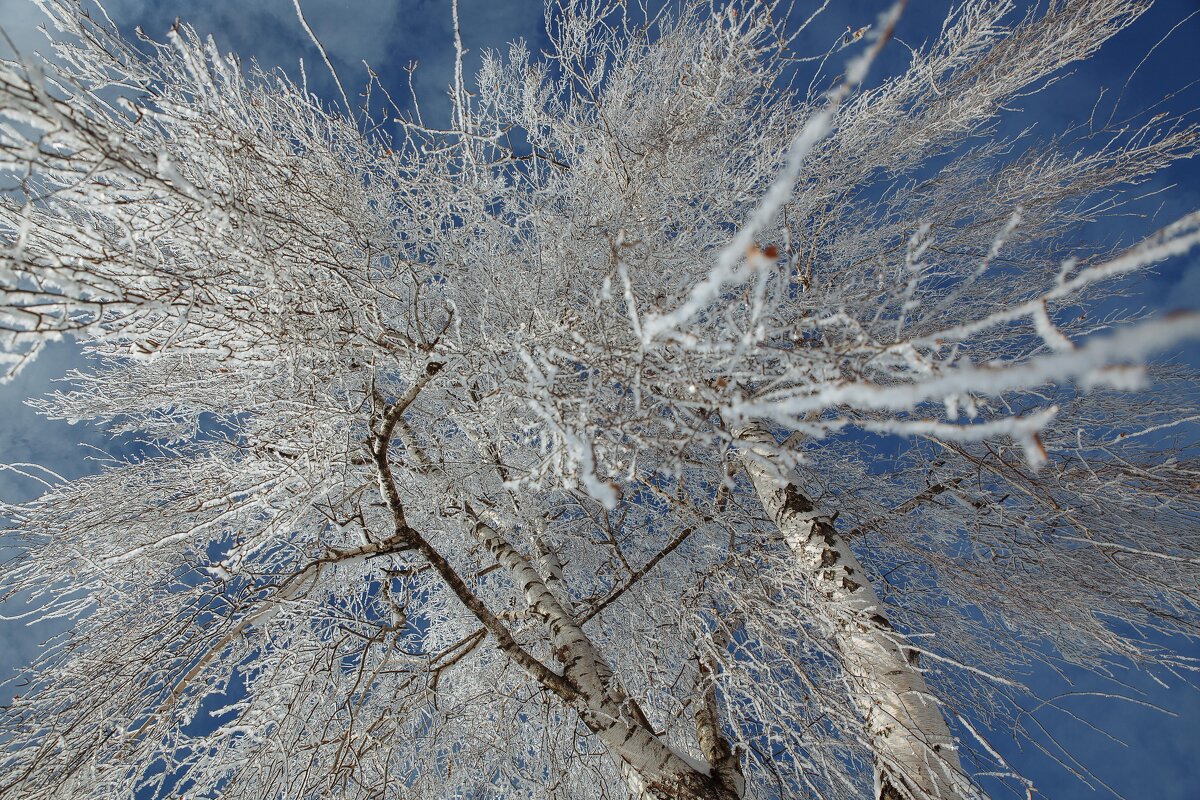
(652, 769)
(915, 756)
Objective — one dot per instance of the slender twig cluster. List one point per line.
(533, 457)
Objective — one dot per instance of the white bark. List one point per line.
(264, 283)
(653, 770)
(915, 755)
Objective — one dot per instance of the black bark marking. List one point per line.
(881, 621)
(889, 792)
(793, 501)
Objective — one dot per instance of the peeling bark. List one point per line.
(916, 757)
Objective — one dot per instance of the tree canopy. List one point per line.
(686, 420)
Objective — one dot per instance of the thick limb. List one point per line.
(653, 770)
(916, 757)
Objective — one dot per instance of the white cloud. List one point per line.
(27, 437)
(20, 20)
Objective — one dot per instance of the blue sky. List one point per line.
(1161, 754)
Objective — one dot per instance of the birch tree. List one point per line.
(532, 457)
